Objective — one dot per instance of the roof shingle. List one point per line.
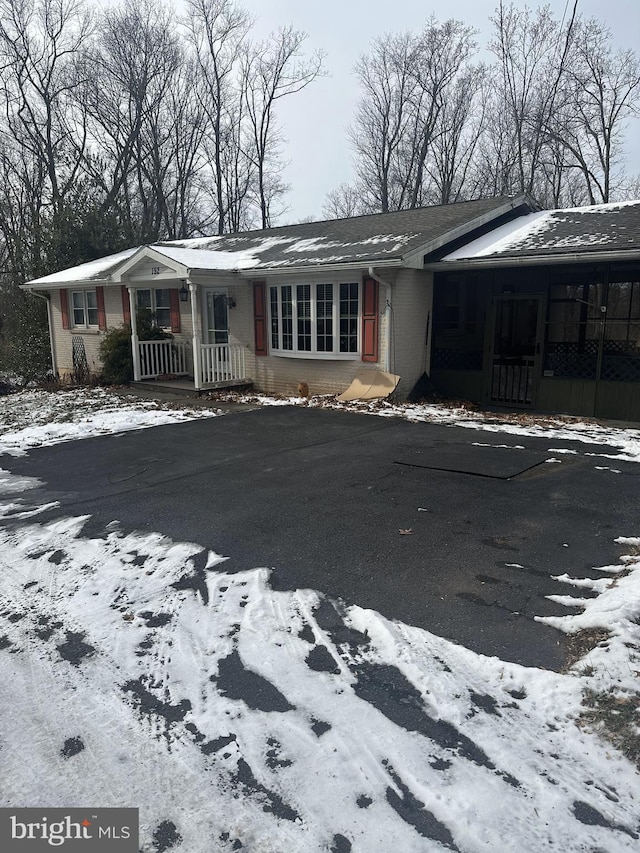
(611, 227)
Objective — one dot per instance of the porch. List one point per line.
(169, 364)
(210, 359)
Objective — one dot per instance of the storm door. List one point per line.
(515, 350)
(216, 310)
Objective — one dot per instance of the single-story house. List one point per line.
(311, 303)
(495, 300)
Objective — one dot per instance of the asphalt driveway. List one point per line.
(422, 522)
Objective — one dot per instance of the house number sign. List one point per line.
(155, 270)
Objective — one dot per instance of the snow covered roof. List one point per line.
(382, 237)
(98, 270)
(388, 238)
(581, 230)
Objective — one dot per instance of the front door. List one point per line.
(216, 313)
(515, 350)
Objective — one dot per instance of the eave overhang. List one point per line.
(534, 260)
(415, 258)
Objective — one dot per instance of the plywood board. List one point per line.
(370, 385)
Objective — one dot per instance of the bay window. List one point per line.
(318, 320)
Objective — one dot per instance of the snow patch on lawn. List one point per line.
(36, 418)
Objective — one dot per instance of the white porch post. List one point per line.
(135, 348)
(197, 337)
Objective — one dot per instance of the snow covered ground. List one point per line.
(137, 672)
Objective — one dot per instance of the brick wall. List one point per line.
(62, 338)
(275, 374)
(412, 311)
(403, 329)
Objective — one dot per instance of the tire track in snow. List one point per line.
(263, 628)
(56, 676)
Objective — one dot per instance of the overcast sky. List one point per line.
(315, 121)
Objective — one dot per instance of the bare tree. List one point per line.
(42, 132)
(343, 202)
(441, 53)
(534, 53)
(602, 91)
(217, 31)
(409, 82)
(382, 118)
(273, 70)
(565, 95)
(39, 42)
(459, 127)
(130, 72)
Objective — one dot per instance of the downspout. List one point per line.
(387, 317)
(47, 299)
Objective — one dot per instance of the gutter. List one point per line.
(54, 366)
(356, 263)
(387, 316)
(533, 260)
(62, 285)
(248, 273)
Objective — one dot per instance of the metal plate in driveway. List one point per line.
(501, 463)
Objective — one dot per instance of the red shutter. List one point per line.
(174, 302)
(64, 306)
(102, 316)
(126, 306)
(260, 316)
(370, 314)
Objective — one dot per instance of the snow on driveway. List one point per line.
(137, 672)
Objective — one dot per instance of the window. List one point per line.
(84, 306)
(456, 305)
(621, 349)
(623, 316)
(158, 301)
(315, 319)
(572, 329)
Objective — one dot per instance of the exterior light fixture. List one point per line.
(231, 302)
(184, 292)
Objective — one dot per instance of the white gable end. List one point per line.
(146, 265)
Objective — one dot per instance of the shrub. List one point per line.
(115, 347)
(115, 355)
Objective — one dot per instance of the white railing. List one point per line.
(222, 363)
(163, 358)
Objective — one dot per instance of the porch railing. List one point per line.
(222, 363)
(163, 358)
